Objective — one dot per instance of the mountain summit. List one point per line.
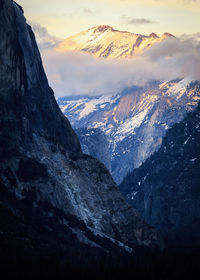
(105, 41)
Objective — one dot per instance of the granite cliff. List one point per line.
(44, 174)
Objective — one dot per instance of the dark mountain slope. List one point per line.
(27, 102)
(166, 188)
(95, 143)
(51, 193)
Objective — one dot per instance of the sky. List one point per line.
(80, 73)
(63, 18)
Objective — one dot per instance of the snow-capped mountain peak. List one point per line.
(136, 121)
(105, 41)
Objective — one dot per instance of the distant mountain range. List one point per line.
(105, 41)
(134, 120)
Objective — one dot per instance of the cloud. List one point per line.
(80, 73)
(87, 11)
(136, 21)
(44, 39)
(192, 37)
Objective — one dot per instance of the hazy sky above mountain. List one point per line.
(70, 73)
(63, 18)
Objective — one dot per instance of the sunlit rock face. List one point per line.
(43, 169)
(134, 120)
(166, 188)
(104, 41)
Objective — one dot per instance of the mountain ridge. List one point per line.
(134, 120)
(166, 188)
(106, 42)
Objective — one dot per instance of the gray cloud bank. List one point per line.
(80, 73)
(44, 39)
(136, 21)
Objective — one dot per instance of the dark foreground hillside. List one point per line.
(33, 246)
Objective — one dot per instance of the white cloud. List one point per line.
(80, 73)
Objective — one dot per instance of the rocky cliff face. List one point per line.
(41, 159)
(28, 106)
(95, 143)
(166, 188)
(134, 121)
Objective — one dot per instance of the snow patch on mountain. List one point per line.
(129, 126)
(178, 89)
(135, 121)
(105, 41)
(86, 106)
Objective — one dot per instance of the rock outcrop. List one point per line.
(41, 159)
(95, 143)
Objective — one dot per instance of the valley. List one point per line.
(135, 120)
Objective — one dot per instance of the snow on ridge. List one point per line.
(130, 125)
(104, 41)
(88, 109)
(112, 125)
(178, 89)
(88, 106)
